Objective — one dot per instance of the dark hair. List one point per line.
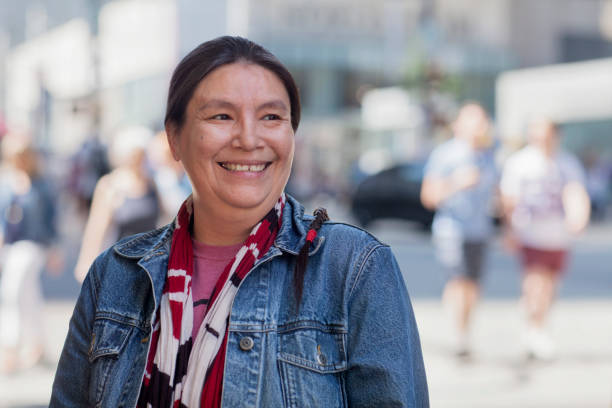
(213, 54)
(302, 258)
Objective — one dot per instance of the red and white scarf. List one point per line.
(186, 372)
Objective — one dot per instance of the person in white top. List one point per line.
(545, 204)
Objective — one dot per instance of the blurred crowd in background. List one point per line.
(83, 86)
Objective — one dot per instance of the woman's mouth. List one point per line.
(253, 168)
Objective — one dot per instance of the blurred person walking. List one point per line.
(545, 203)
(27, 224)
(125, 201)
(598, 174)
(170, 179)
(459, 183)
(88, 164)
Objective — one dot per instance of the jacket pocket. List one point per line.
(311, 363)
(107, 340)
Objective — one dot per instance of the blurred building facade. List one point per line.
(79, 67)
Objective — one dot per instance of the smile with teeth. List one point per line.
(244, 167)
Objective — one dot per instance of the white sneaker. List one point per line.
(462, 346)
(539, 345)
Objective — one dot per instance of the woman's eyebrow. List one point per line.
(275, 104)
(220, 103)
(216, 104)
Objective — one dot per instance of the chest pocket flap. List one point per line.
(311, 363)
(108, 338)
(322, 351)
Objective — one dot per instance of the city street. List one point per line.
(385, 107)
(497, 376)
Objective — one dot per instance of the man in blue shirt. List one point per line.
(459, 183)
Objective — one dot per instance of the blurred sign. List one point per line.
(355, 20)
(389, 109)
(58, 61)
(564, 92)
(137, 39)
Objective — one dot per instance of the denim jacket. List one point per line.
(352, 341)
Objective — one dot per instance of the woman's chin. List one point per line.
(251, 200)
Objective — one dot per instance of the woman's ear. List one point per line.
(172, 135)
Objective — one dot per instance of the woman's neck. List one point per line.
(222, 228)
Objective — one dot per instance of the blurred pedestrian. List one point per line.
(545, 203)
(598, 181)
(27, 222)
(459, 183)
(170, 179)
(88, 164)
(125, 201)
(243, 300)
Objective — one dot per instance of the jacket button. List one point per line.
(246, 343)
(321, 359)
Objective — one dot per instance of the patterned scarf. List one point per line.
(186, 372)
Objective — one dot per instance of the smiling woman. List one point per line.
(243, 300)
(236, 143)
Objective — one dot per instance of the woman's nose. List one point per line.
(245, 136)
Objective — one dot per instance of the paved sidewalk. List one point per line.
(31, 388)
(497, 376)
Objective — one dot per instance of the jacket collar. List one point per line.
(152, 248)
(293, 230)
(156, 242)
(290, 237)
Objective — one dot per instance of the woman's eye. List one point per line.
(271, 116)
(221, 116)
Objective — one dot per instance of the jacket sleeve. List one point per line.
(71, 384)
(385, 363)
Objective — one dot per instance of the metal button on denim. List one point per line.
(321, 359)
(246, 343)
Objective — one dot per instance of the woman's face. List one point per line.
(236, 143)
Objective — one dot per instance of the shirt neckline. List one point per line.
(214, 252)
